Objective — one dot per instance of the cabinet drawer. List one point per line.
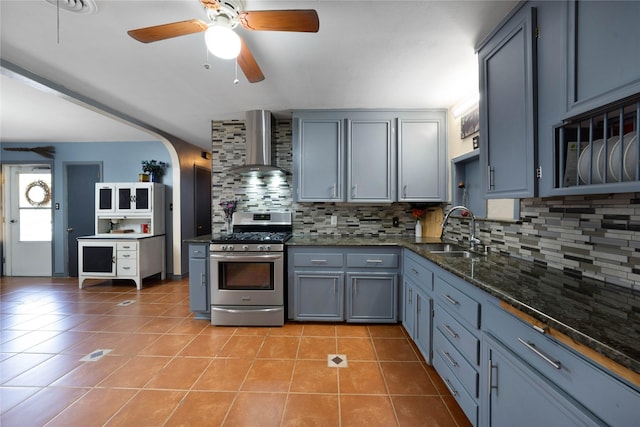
(127, 254)
(126, 267)
(197, 251)
(466, 402)
(372, 260)
(462, 369)
(457, 303)
(318, 260)
(459, 336)
(127, 246)
(418, 273)
(611, 400)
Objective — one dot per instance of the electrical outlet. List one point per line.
(396, 221)
(334, 220)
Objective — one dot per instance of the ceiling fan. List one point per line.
(224, 16)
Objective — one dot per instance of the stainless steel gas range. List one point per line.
(247, 270)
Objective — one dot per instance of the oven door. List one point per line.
(247, 279)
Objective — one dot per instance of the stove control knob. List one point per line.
(230, 248)
(245, 247)
(260, 248)
(267, 248)
(223, 248)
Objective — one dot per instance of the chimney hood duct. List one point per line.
(260, 159)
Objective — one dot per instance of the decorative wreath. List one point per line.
(46, 193)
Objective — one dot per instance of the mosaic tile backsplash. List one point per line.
(598, 236)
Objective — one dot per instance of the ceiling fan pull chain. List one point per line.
(236, 79)
(206, 62)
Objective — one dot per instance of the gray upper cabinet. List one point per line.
(371, 157)
(318, 147)
(422, 159)
(377, 163)
(603, 53)
(507, 63)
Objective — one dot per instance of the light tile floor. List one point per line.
(165, 368)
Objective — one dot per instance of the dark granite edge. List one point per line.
(450, 265)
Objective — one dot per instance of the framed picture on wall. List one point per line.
(470, 123)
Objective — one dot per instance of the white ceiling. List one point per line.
(367, 54)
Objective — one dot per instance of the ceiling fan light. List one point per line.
(222, 41)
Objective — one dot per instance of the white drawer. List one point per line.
(126, 267)
(127, 254)
(127, 246)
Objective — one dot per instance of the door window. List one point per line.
(34, 204)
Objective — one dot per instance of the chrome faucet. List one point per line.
(473, 240)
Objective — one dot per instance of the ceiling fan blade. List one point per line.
(167, 31)
(281, 20)
(248, 64)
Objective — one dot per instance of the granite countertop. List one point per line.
(604, 317)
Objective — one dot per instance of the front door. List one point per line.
(80, 180)
(28, 222)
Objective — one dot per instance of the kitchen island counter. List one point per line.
(603, 317)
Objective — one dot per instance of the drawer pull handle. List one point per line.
(531, 346)
(126, 268)
(451, 300)
(414, 271)
(450, 359)
(451, 331)
(319, 261)
(453, 391)
(203, 280)
(374, 261)
(126, 256)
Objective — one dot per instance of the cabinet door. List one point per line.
(423, 329)
(319, 296)
(370, 161)
(422, 164)
(408, 308)
(318, 160)
(105, 198)
(125, 198)
(142, 197)
(508, 108)
(371, 297)
(199, 278)
(518, 395)
(603, 53)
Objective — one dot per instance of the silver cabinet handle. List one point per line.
(531, 346)
(319, 261)
(450, 387)
(404, 191)
(197, 252)
(126, 256)
(450, 359)
(490, 178)
(203, 280)
(490, 376)
(450, 331)
(414, 271)
(335, 286)
(451, 300)
(354, 192)
(333, 190)
(374, 261)
(410, 295)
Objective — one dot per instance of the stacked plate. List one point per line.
(629, 161)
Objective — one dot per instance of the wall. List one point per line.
(598, 236)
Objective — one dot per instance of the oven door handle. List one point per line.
(244, 257)
(253, 309)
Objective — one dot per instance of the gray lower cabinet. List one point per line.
(336, 284)
(520, 396)
(524, 363)
(319, 296)
(199, 302)
(417, 301)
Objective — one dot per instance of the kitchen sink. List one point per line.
(457, 254)
(442, 247)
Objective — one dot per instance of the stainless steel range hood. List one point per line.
(260, 159)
